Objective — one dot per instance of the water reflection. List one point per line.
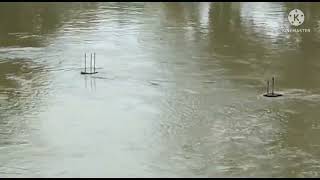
(27, 23)
(90, 83)
(22, 85)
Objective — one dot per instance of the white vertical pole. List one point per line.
(85, 62)
(272, 85)
(94, 62)
(90, 62)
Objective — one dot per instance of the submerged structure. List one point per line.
(92, 65)
(272, 93)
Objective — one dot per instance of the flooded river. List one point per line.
(178, 91)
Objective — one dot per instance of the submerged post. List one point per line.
(94, 62)
(90, 62)
(272, 94)
(85, 62)
(272, 85)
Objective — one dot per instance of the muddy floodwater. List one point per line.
(178, 93)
